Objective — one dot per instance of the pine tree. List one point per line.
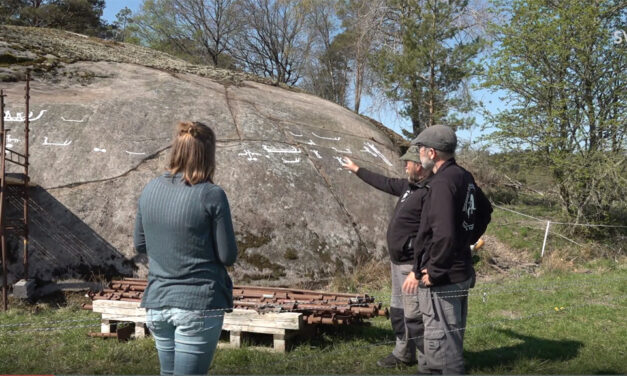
(426, 61)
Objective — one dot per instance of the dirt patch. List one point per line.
(496, 260)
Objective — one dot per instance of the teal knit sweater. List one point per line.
(188, 235)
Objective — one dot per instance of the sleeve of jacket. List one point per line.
(421, 243)
(225, 245)
(139, 239)
(441, 219)
(393, 186)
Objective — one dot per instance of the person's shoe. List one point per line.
(391, 361)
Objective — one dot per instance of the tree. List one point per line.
(362, 21)
(273, 44)
(326, 72)
(198, 30)
(213, 24)
(426, 61)
(10, 11)
(81, 16)
(566, 86)
(124, 28)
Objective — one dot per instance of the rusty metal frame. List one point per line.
(5, 286)
(22, 160)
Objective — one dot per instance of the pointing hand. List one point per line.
(349, 164)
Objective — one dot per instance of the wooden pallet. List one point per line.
(114, 311)
(281, 326)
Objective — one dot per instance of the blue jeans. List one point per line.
(185, 339)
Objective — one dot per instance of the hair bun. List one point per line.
(188, 128)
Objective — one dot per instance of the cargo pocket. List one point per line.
(411, 305)
(424, 301)
(434, 348)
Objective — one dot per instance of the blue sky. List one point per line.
(389, 117)
(112, 7)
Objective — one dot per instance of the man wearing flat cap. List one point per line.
(454, 215)
(404, 313)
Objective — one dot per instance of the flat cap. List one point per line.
(412, 154)
(439, 137)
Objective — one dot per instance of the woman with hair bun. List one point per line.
(184, 226)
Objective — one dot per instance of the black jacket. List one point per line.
(405, 220)
(455, 214)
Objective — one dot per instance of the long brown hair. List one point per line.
(193, 152)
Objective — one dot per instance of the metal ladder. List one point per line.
(13, 186)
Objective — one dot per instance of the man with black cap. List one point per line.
(404, 313)
(455, 214)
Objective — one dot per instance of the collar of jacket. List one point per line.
(445, 165)
(424, 183)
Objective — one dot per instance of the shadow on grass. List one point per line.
(326, 335)
(529, 348)
(322, 336)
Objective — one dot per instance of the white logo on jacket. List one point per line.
(405, 195)
(469, 208)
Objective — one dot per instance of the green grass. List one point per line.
(579, 245)
(558, 323)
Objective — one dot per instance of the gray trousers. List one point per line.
(406, 318)
(444, 311)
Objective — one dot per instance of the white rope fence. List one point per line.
(483, 293)
(550, 222)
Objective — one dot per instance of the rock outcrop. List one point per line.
(102, 120)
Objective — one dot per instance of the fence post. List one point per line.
(546, 235)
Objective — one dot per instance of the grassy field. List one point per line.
(564, 313)
(555, 323)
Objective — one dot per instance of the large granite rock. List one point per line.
(100, 130)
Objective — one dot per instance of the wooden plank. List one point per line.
(140, 330)
(253, 329)
(250, 318)
(123, 312)
(120, 310)
(118, 317)
(279, 341)
(99, 304)
(235, 339)
(105, 326)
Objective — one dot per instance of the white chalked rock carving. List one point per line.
(19, 116)
(291, 161)
(64, 143)
(371, 149)
(75, 121)
(295, 134)
(249, 154)
(317, 154)
(327, 138)
(291, 150)
(345, 151)
(134, 153)
(340, 160)
(100, 150)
